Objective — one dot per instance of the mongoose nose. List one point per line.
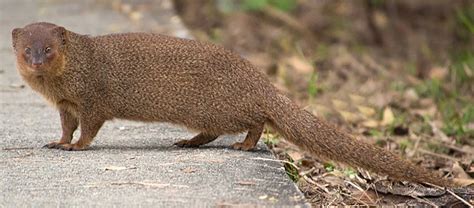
(37, 64)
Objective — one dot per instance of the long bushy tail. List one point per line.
(324, 140)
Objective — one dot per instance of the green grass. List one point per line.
(430, 88)
(377, 3)
(375, 133)
(456, 106)
(462, 69)
(256, 5)
(399, 120)
(350, 172)
(456, 113)
(398, 86)
(313, 87)
(411, 68)
(329, 167)
(455, 122)
(404, 144)
(322, 52)
(465, 17)
(270, 139)
(291, 170)
(228, 6)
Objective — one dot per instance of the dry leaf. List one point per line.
(380, 19)
(388, 117)
(370, 123)
(469, 126)
(300, 65)
(118, 168)
(126, 8)
(438, 133)
(366, 111)
(333, 180)
(348, 116)
(261, 60)
(20, 86)
(438, 73)
(426, 102)
(364, 196)
(320, 110)
(463, 181)
(467, 70)
(150, 184)
(459, 172)
(429, 111)
(411, 95)
(295, 155)
(357, 99)
(189, 170)
(136, 16)
(273, 199)
(246, 183)
(409, 189)
(338, 104)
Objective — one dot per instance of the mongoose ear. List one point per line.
(15, 34)
(61, 33)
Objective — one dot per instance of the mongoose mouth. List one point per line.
(36, 69)
(36, 66)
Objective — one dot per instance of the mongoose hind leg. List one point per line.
(196, 141)
(251, 139)
(69, 124)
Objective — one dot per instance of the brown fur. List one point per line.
(204, 87)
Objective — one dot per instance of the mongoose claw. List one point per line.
(185, 143)
(63, 146)
(52, 145)
(242, 146)
(66, 147)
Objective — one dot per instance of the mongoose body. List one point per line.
(201, 86)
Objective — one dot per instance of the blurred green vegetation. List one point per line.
(419, 35)
(411, 58)
(456, 112)
(256, 5)
(291, 170)
(329, 167)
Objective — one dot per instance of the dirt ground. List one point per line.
(399, 74)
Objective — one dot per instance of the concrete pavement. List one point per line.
(129, 163)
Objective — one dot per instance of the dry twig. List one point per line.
(282, 161)
(438, 155)
(460, 198)
(424, 200)
(361, 190)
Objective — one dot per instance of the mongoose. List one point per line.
(201, 86)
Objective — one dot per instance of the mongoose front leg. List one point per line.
(69, 124)
(251, 140)
(196, 141)
(90, 125)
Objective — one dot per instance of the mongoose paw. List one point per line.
(64, 146)
(53, 145)
(242, 146)
(71, 147)
(185, 143)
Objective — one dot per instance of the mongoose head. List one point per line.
(39, 48)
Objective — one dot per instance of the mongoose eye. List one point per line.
(47, 50)
(28, 50)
